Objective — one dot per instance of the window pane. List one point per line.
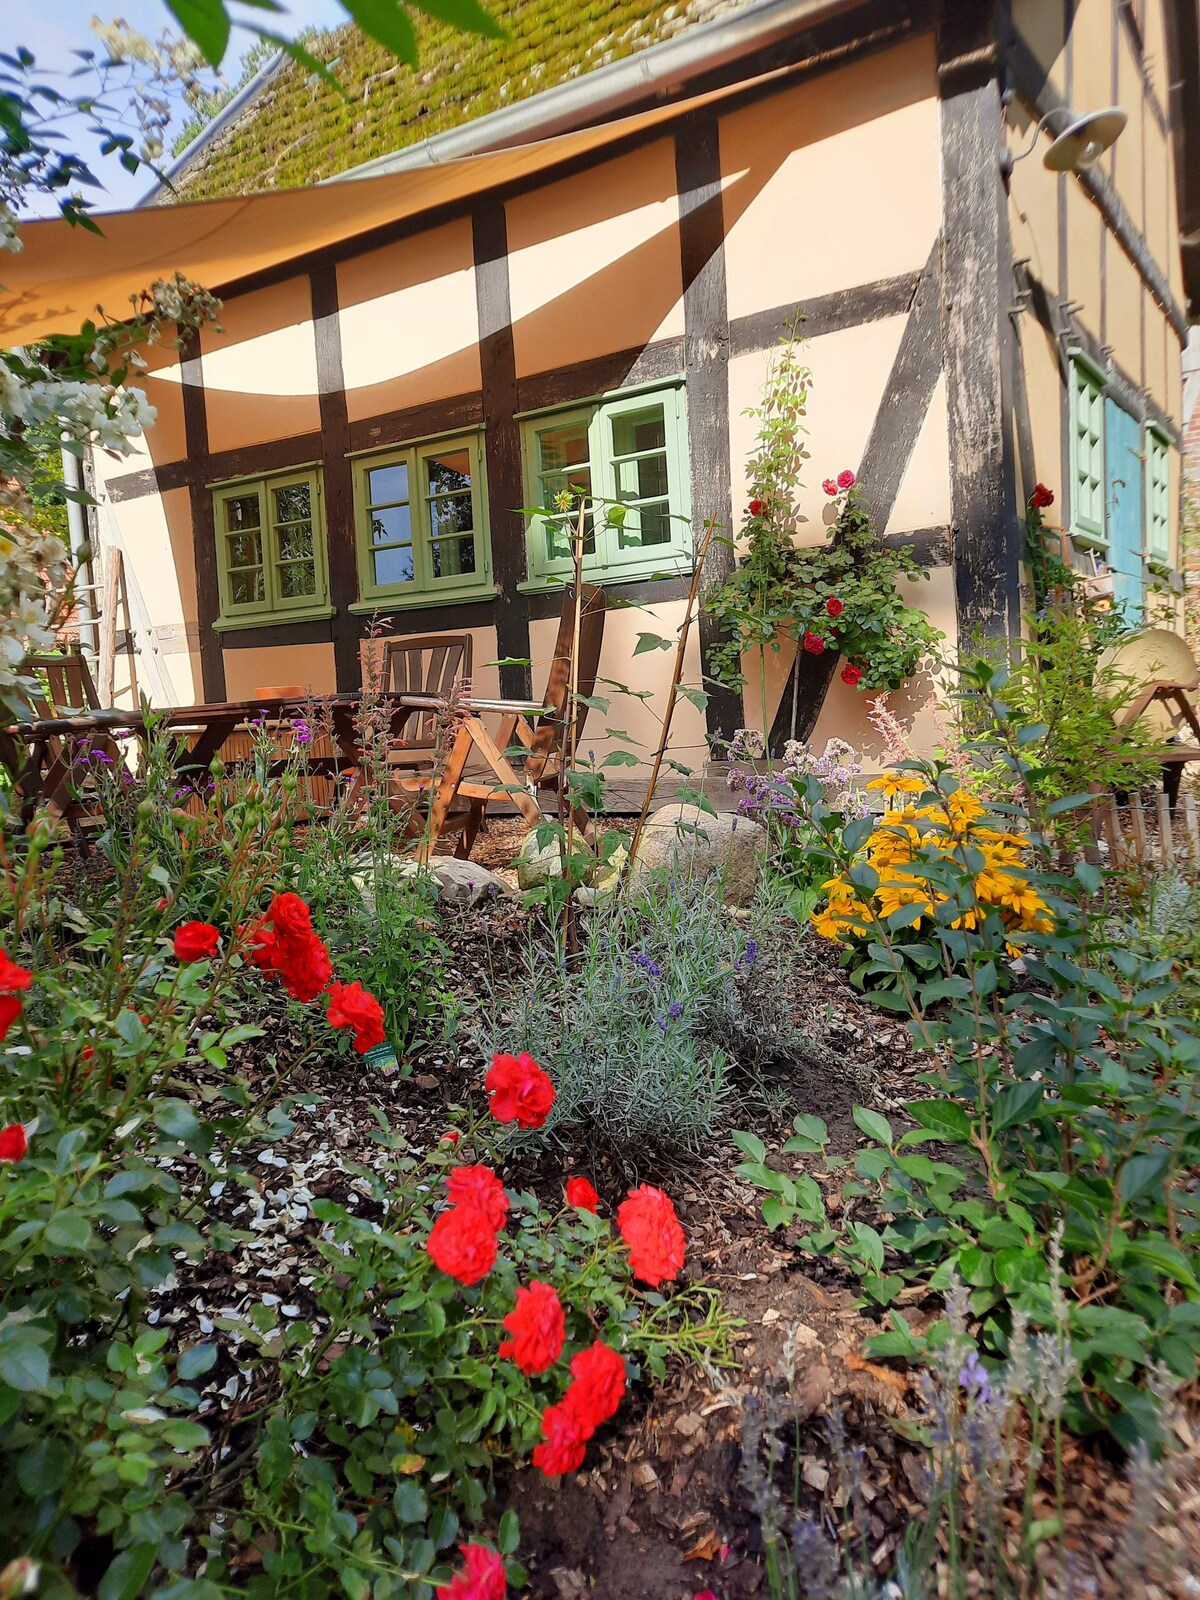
(293, 503)
(563, 447)
(656, 525)
(296, 579)
(245, 550)
(643, 479)
(386, 484)
(241, 512)
(451, 513)
(452, 557)
(449, 472)
(391, 525)
(246, 586)
(639, 430)
(296, 542)
(393, 566)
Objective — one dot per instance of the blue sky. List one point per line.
(52, 29)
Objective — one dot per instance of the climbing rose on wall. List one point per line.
(851, 674)
(482, 1578)
(652, 1232)
(830, 486)
(519, 1091)
(196, 941)
(756, 508)
(538, 1325)
(846, 479)
(352, 1006)
(834, 606)
(814, 644)
(1041, 497)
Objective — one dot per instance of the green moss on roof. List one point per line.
(297, 130)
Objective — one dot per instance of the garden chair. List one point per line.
(1163, 665)
(528, 754)
(429, 664)
(54, 764)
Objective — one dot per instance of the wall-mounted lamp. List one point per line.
(1081, 143)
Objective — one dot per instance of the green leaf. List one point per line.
(697, 697)
(508, 1535)
(1141, 1174)
(873, 1125)
(1016, 1102)
(176, 1119)
(206, 23)
(942, 1118)
(24, 1365)
(386, 22)
(467, 15)
(127, 1575)
(777, 1213)
(1070, 802)
(750, 1145)
(43, 1468)
(651, 641)
(200, 1358)
(68, 1230)
(184, 1435)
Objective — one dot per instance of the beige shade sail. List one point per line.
(1156, 655)
(64, 273)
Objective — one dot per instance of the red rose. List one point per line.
(450, 1137)
(851, 674)
(12, 977)
(1041, 497)
(462, 1244)
(846, 479)
(599, 1384)
(830, 486)
(581, 1195)
(756, 508)
(814, 644)
(651, 1230)
(13, 1143)
(10, 1010)
(351, 1006)
(483, 1578)
(566, 1441)
(519, 1091)
(539, 1329)
(481, 1188)
(291, 916)
(834, 606)
(196, 941)
(262, 943)
(304, 969)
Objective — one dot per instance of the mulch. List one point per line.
(660, 1508)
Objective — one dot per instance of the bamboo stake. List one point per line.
(1166, 839)
(570, 750)
(1116, 837)
(108, 627)
(1192, 826)
(672, 697)
(1138, 815)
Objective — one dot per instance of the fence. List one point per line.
(1146, 833)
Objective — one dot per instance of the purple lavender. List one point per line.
(648, 965)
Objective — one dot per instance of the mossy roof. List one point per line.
(297, 130)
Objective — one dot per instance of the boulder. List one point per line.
(684, 839)
(537, 864)
(455, 882)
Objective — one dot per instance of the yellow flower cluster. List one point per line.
(901, 847)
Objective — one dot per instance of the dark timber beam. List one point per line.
(204, 535)
(976, 295)
(502, 444)
(706, 364)
(338, 488)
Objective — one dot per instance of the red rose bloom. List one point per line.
(462, 1244)
(351, 1006)
(539, 1329)
(1041, 497)
(851, 674)
(846, 479)
(581, 1195)
(482, 1579)
(481, 1188)
(450, 1137)
(519, 1091)
(651, 1230)
(814, 644)
(566, 1441)
(291, 916)
(599, 1384)
(10, 1010)
(12, 977)
(13, 1143)
(304, 969)
(834, 606)
(756, 508)
(196, 941)
(830, 486)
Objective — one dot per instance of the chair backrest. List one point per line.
(68, 681)
(550, 734)
(430, 664)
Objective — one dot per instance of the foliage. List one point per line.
(1067, 1100)
(841, 595)
(629, 1023)
(993, 1485)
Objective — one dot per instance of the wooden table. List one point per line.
(42, 756)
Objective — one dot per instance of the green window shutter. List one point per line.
(271, 555)
(628, 453)
(1158, 497)
(421, 520)
(1087, 452)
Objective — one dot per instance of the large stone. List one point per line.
(455, 882)
(682, 838)
(538, 864)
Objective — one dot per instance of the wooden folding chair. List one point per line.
(530, 751)
(63, 691)
(426, 664)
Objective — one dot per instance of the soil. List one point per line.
(661, 1509)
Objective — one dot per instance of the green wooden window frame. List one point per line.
(1088, 480)
(1158, 496)
(271, 561)
(421, 517)
(628, 450)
